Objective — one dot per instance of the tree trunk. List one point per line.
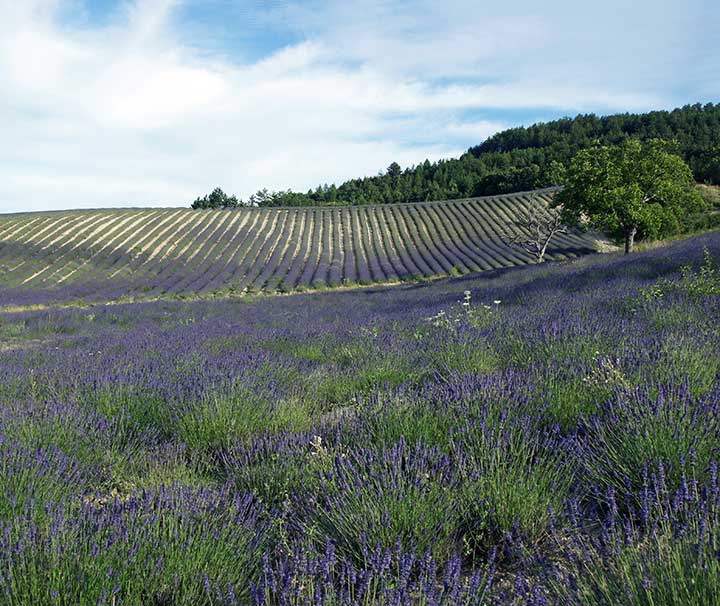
(543, 250)
(630, 240)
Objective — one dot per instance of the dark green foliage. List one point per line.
(217, 199)
(695, 128)
(525, 158)
(628, 189)
(273, 199)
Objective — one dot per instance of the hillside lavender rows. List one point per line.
(125, 255)
(539, 435)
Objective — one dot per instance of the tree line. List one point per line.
(520, 159)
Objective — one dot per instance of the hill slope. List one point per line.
(520, 159)
(108, 254)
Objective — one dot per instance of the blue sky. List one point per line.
(154, 102)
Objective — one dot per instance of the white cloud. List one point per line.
(479, 131)
(123, 116)
(129, 113)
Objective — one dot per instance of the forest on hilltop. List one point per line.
(521, 159)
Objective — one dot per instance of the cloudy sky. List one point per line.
(154, 102)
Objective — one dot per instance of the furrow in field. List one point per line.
(503, 255)
(192, 227)
(335, 273)
(436, 267)
(391, 226)
(219, 262)
(276, 280)
(9, 224)
(222, 271)
(46, 243)
(123, 244)
(383, 267)
(124, 265)
(170, 238)
(117, 232)
(185, 266)
(328, 241)
(443, 249)
(83, 249)
(363, 264)
(136, 255)
(146, 278)
(282, 254)
(266, 222)
(67, 246)
(349, 271)
(22, 226)
(455, 233)
(183, 255)
(138, 272)
(436, 231)
(270, 254)
(320, 275)
(376, 270)
(388, 250)
(413, 233)
(206, 246)
(244, 241)
(293, 276)
(257, 255)
(19, 246)
(315, 250)
(401, 229)
(473, 240)
(111, 254)
(458, 233)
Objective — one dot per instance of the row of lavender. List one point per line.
(543, 435)
(105, 255)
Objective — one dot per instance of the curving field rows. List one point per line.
(108, 254)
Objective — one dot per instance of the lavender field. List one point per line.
(536, 435)
(142, 254)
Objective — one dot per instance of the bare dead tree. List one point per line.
(534, 228)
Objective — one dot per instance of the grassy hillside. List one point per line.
(108, 254)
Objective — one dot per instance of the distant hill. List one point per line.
(519, 159)
(142, 253)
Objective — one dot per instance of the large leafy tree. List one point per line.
(635, 188)
(217, 199)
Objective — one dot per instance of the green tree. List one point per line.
(631, 189)
(217, 199)
(262, 197)
(394, 170)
